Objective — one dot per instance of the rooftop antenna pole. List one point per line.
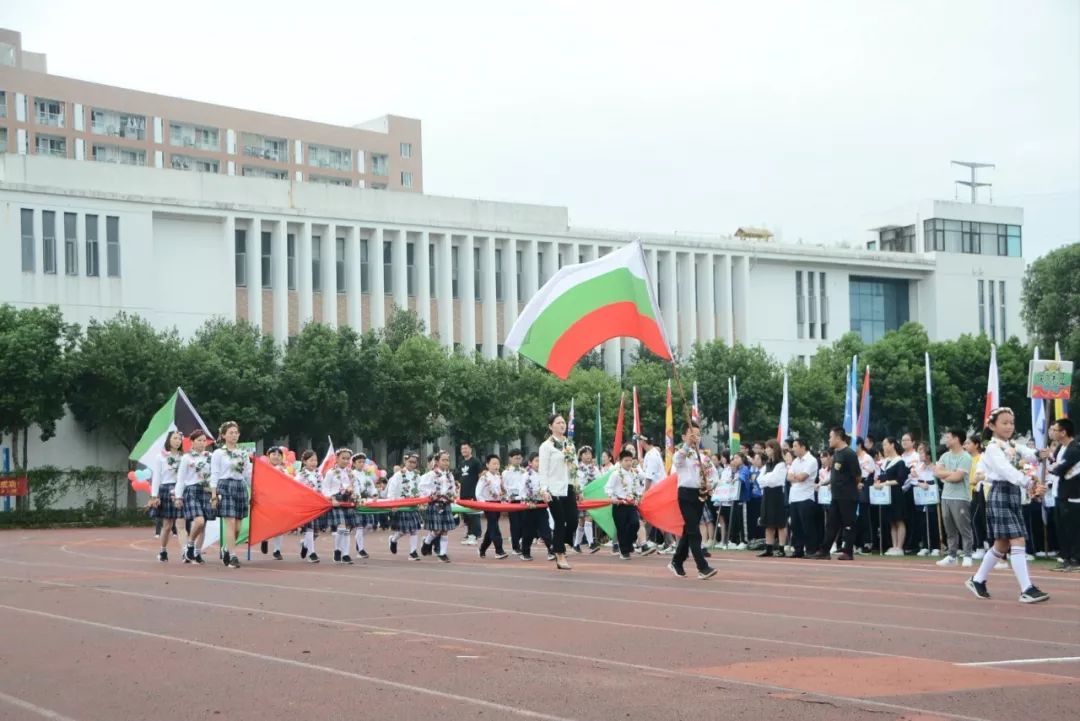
(973, 184)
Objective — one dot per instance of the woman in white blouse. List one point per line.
(558, 461)
(773, 512)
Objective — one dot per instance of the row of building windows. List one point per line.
(811, 305)
(992, 312)
(52, 113)
(961, 236)
(69, 228)
(877, 306)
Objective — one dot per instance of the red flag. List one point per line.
(329, 461)
(660, 505)
(279, 503)
(993, 392)
(618, 429)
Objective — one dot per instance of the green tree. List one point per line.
(650, 375)
(327, 378)
(760, 386)
(478, 407)
(898, 382)
(407, 403)
(35, 348)
(402, 325)
(1051, 305)
(583, 386)
(536, 391)
(231, 372)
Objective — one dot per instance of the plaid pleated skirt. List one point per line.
(339, 518)
(405, 520)
(1004, 514)
(439, 517)
(166, 509)
(197, 503)
(232, 498)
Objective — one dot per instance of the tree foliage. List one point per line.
(1051, 305)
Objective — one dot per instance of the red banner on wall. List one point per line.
(14, 486)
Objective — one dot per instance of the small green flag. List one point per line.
(601, 516)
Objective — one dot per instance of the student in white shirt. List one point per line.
(230, 473)
(695, 478)
(364, 489)
(165, 503)
(337, 485)
(773, 512)
(558, 476)
(275, 456)
(440, 486)
(193, 487)
(489, 488)
(534, 522)
(625, 487)
(310, 477)
(405, 483)
(513, 484)
(805, 526)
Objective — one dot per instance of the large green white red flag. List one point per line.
(586, 304)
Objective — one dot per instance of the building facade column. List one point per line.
(488, 297)
(254, 271)
(669, 303)
(467, 294)
(422, 265)
(444, 289)
(399, 266)
(530, 268)
(687, 294)
(727, 290)
(228, 231)
(328, 268)
(744, 316)
(510, 286)
(376, 282)
(354, 310)
(551, 262)
(706, 298)
(279, 272)
(304, 279)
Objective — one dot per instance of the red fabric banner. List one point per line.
(660, 506)
(392, 503)
(280, 504)
(593, 504)
(499, 506)
(14, 486)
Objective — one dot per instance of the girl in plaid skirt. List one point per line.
(309, 476)
(364, 488)
(193, 486)
(164, 501)
(337, 486)
(230, 474)
(405, 521)
(439, 485)
(1003, 464)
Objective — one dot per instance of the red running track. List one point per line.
(95, 629)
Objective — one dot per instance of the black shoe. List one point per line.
(781, 553)
(1063, 567)
(526, 557)
(821, 556)
(444, 558)
(225, 557)
(1034, 595)
(594, 548)
(199, 559)
(234, 562)
(677, 570)
(278, 556)
(393, 546)
(977, 587)
(798, 554)
(186, 559)
(190, 552)
(337, 556)
(414, 556)
(501, 555)
(577, 549)
(346, 559)
(303, 552)
(363, 554)
(313, 558)
(705, 553)
(767, 553)
(706, 574)
(264, 547)
(425, 548)
(624, 556)
(163, 556)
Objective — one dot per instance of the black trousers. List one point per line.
(534, 524)
(493, 534)
(978, 518)
(627, 524)
(690, 506)
(515, 529)
(841, 522)
(1068, 529)
(472, 524)
(804, 526)
(564, 513)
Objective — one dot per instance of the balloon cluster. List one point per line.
(140, 479)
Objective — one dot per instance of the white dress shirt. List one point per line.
(164, 473)
(364, 485)
(653, 465)
(514, 482)
(774, 478)
(194, 469)
(337, 480)
(689, 465)
(997, 466)
(404, 484)
(623, 485)
(554, 475)
(803, 491)
(489, 488)
(229, 465)
(438, 483)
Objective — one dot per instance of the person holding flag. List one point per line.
(695, 479)
(309, 476)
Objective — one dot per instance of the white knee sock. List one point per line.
(1018, 559)
(342, 541)
(276, 544)
(413, 538)
(359, 539)
(309, 539)
(444, 544)
(429, 539)
(989, 561)
(395, 536)
(577, 535)
(589, 532)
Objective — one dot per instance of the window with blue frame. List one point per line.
(877, 305)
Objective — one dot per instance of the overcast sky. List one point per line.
(688, 116)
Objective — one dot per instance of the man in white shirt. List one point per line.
(802, 474)
(692, 467)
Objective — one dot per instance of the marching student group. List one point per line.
(984, 491)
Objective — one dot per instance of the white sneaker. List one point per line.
(979, 554)
(833, 549)
(948, 561)
(935, 552)
(465, 541)
(1030, 557)
(966, 563)
(740, 547)
(1040, 554)
(1001, 566)
(923, 552)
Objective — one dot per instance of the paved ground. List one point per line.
(94, 628)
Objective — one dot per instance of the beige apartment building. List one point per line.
(43, 114)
